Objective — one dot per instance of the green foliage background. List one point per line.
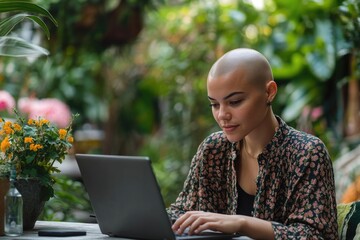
(148, 94)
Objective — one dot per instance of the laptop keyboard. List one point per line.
(184, 234)
(204, 233)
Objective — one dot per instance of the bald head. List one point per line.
(255, 65)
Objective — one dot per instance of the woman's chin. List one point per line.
(233, 138)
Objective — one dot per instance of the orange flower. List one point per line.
(352, 193)
(43, 121)
(7, 128)
(70, 139)
(31, 121)
(17, 127)
(28, 140)
(62, 133)
(5, 144)
(35, 147)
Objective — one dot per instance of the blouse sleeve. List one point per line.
(311, 204)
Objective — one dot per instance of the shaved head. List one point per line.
(257, 68)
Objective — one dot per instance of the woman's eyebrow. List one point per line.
(228, 96)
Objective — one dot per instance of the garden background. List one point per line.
(135, 71)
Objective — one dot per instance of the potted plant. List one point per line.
(17, 47)
(33, 146)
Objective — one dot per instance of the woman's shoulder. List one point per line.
(290, 136)
(303, 139)
(302, 144)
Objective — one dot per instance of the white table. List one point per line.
(92, 231)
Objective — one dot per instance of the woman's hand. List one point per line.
(198, 221)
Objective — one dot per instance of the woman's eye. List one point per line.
(235, 103)
(214, 105)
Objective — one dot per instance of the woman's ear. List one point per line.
(271, 90)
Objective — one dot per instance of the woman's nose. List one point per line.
(224, 114)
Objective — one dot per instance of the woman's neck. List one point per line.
(255, 141)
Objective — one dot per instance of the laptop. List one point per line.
(126, 198)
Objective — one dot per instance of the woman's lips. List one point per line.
(229, 128)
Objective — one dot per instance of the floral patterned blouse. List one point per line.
(295, 184)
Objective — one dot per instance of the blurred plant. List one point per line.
(70, 202)
(15, 46)
(348, 174)
(308, 52)
(92, 37)
(349, 14)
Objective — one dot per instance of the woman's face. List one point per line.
(238, 105)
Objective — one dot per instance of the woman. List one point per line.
(257, 177)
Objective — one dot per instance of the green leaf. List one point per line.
(23, 6)
(29, 158)
(298, 101)
(42, 24)
(9, 23)
(289, 69)
(17, 47)
(237, 16)
(321, 60)
(301, 92)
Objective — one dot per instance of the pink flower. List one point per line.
(7, 102)
(51, 109)
(316, 113)
(25, 104)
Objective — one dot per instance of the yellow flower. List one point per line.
(5, 144)
(43, 121)
(28, 140)
(17, 127)
(35, 147)
(7, 128)
(70, 139)
(62, 133)
(32, 147)
(1, 120)
(31, 121)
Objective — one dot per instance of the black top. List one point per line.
(245, 204)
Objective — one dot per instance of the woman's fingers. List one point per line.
(184, 221)
(195, 222)
(201, 223)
